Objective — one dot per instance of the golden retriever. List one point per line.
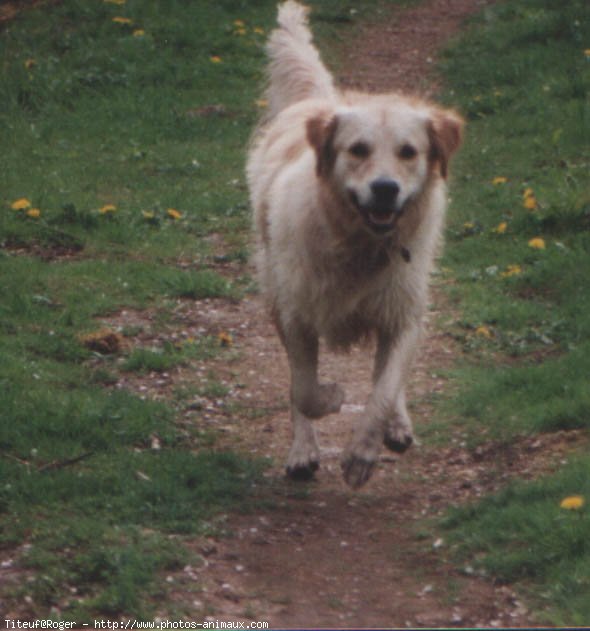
(349, 195)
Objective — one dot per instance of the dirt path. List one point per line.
(322, 555)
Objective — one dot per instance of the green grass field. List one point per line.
(122, 144)
(123, 135)
(124, 126)
(517, 259)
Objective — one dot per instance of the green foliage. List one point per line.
(124, 141)
(109, 526)
(509, 400)
(519, 230)
(170, 355)
(522, 77)
(523, 535)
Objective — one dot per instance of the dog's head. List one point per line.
(380, 154)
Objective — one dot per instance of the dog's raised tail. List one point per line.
(296, 71)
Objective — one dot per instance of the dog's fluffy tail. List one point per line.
(296, 71)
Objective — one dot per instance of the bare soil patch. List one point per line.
(399, 49)
(322, 555)
(9, 9)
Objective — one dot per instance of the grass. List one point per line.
(522, 536)
(103, 135)
(524, 309)
(124, 127)
(161, 359)
(521, 75)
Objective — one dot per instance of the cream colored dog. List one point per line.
(348, 192)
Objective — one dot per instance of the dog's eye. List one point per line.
(359, 150)
(408, 152)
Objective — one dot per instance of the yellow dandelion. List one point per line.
(537, 243)
(225, 339)
(20, 204)
(501, 228)
(262, 103)
(587, 52)
(511, 270)
(107, 208)
(29, 63)
(240, 31)
(35, 213)
(148, 214)
(121, 20)
(469, 225)
(239, 23)
(215, 59)
(173, 213)
(258, 30)
(483, 331)
(138, 32)
(573, 502)
(499, 180)
(529, 201)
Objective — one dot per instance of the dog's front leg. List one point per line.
(304, 456)
(309, 398)
(385, 418)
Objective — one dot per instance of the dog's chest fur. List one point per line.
(352, 291)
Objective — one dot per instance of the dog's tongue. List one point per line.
(381, 216)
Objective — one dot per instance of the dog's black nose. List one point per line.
(385, 192)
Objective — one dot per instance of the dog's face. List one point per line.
(379, 156)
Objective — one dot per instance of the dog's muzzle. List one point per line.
(382, 210)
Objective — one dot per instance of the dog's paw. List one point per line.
(357, 470)
(399, 445)
(326, 399)
(398, 435)
(302, 472)
(303, 462)
(359, 459)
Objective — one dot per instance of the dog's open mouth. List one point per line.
(380, 219)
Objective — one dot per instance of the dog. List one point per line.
(348, 192)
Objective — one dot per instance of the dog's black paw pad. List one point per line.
(303, 473)
(399, 446)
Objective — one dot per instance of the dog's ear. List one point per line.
(445, 131)
(320, 134)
